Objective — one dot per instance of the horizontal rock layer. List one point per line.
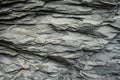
(59, 40)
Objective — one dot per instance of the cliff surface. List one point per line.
(59, 40)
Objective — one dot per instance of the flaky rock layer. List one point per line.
(59, 40)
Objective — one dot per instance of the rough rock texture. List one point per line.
(59, 40)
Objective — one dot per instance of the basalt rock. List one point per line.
(59, 40)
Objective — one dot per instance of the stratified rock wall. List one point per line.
(59, 39)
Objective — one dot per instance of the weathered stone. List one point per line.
(59, 40)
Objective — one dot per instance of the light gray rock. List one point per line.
(59, 40)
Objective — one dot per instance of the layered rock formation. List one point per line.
(59, 40)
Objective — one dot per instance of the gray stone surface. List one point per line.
(59, 40)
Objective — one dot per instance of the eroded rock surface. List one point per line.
(59, 40)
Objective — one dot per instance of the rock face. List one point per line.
(59, 40)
